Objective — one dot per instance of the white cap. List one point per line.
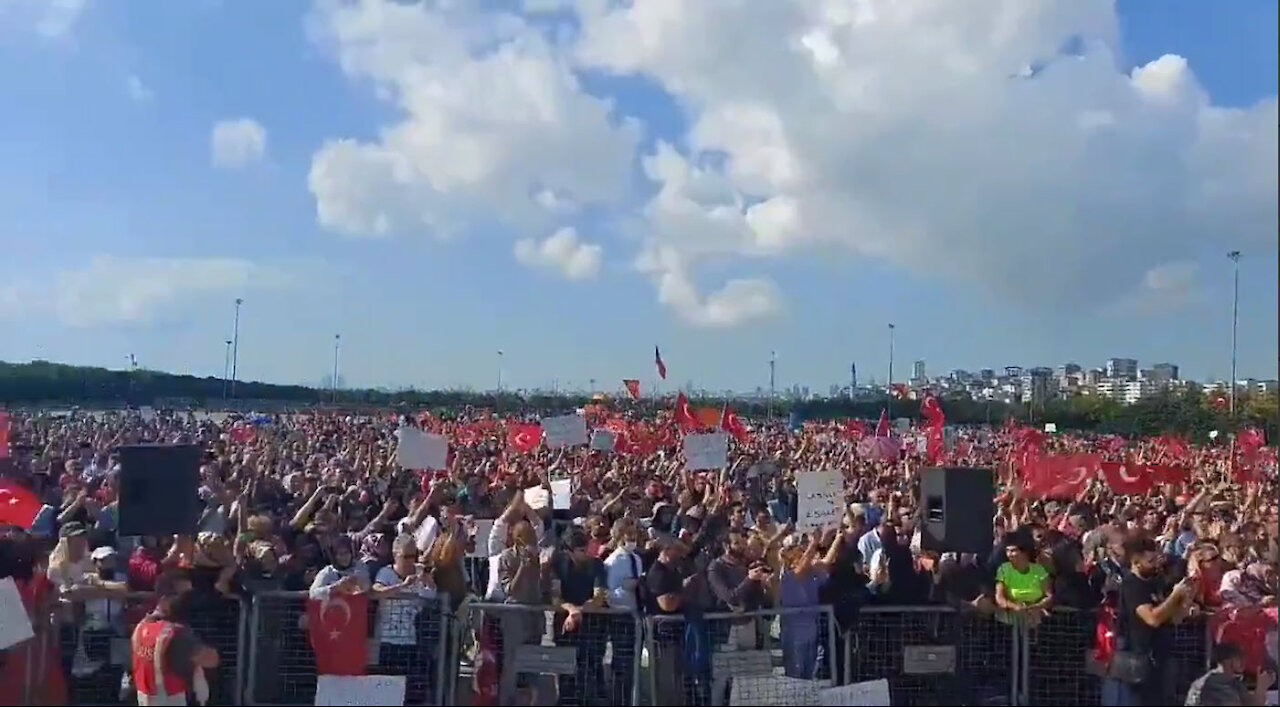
(102, 553)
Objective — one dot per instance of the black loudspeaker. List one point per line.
(158, 489)
(958, 505)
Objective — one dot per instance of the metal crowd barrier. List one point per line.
(89, 640)
(928, 654)
(522, 651)
(407, 636)
(771, 656)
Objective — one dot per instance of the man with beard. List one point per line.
(1147, 610)
(168, 659)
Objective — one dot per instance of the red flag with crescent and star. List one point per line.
(524, 437)
(4, 434)
(684, 417)
(338, 626)
(18, 505)
(731, 423)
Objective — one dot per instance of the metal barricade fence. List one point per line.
(1055, 665)
(525, 650)
(86, 645)
(933, 655)
(771, 656)
(406, 636)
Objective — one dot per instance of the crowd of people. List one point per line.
(315, 502)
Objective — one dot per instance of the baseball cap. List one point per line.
(102, 553)
(72, 530)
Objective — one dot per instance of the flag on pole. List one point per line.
(657, 361)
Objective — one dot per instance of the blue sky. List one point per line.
(793, 183)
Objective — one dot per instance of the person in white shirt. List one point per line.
(402, 588)
(69, 562)
(499, 540)
(624, 571)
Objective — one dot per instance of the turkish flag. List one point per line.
(657, 361)
(882, 427)
(855, 429)
(4, 434)
(1246, 627)
(684, 417)
(1128, 478)
(242, 433)
(1169, 474)
(18, 505)
(338, 626)
(731, 423)
(524, 437)
(708, 417)
(633, 387)
(1059, 476)
(932, 411)
(935, 443)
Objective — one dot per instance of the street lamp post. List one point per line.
(1235, 322)
(499, 372)
(235, 346)
(226, 368)
(773, 365)
(333, 383)
(889, 388)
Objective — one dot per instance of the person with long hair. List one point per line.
(31, 671)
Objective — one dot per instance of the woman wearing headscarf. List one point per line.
(342, 569)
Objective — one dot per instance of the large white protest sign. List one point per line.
(873, 693)
(565, 431)
(421, 450)
(561, 494)
(1051, 427)
(706, 451)
(902, 424)
(773, 690)
(603, 440)
(336, 690)
(15, 625)
(820, 499)
(537, 497)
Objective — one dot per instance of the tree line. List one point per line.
(42, 384)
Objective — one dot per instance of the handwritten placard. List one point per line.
(565, 431)
(603, 441)
(338, 690)
(821, 499)
(706, 451)
(421, 450)
(561, 494)
(15, 625)
(873, 693)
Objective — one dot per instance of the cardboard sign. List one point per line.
(565, 431)
(420, 450)
(603, 441)
(773, 690)
(15, 625)
(706, 451)
(873, 693)
(344, 690)
(561, 494)
(820, 499)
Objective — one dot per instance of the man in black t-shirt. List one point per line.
(581, 581)
(666, 584)
(1147, 611)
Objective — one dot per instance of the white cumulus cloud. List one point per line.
(237, 142)
(954, 140)
(117, 290)
(52, 19)
(562, 251)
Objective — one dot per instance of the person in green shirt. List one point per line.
(1023, 586)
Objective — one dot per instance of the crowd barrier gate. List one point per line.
(928, 654)
(528, 653)
(407, 636)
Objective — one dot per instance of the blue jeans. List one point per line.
(1115, 693)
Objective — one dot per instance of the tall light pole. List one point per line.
(1235, 323)
(773, 365)
(889, 388)
(226, 369)
(235, 346)
(499, 372)
(333, 383)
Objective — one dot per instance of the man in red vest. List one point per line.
(168, 659)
